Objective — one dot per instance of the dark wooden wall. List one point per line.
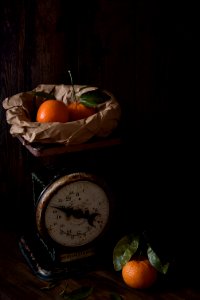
(142, 51)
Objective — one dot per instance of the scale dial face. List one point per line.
(74, 211)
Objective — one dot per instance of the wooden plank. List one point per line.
(42, 150)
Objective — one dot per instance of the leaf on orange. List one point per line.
(156, 262)
(94, 97)
(124, 250)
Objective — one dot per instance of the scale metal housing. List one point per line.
(72, 217)
(58, 173)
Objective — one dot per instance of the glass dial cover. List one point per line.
(74, 211)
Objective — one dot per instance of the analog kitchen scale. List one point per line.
(72, 214)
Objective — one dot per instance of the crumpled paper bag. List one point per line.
(21, 111)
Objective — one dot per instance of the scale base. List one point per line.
(43, 264)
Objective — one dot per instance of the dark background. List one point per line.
(144, 53)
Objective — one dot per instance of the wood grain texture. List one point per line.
(17, 282)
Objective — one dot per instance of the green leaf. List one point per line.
(124, 250)
(78, 294)
(156, 262)
(93, 98)
(44, 95)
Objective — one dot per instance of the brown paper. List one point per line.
(21, 110)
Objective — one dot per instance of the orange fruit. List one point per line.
(52, 111)
(139, 274)
(79, 111)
